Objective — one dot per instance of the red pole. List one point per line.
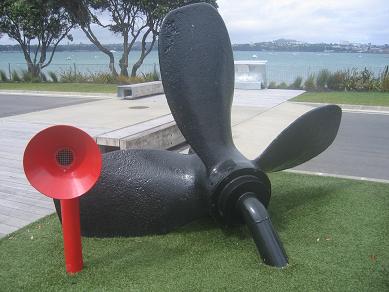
(70, 211)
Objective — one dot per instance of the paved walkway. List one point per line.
(20, 204)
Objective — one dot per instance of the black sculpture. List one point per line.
(153, 192)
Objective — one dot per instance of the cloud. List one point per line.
(311, 21)
(305, 20)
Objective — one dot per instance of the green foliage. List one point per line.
(26, 76)
(309, 84)
(336, 81)
(53, 76)
(373, 98)
(148, 77)
(15, 76)
(322, 79)
(3, 76)
(297, 83)
(43, 77)
(31, 21)
(385, 79)
(69, 76)
(272, 85)
(282, 85)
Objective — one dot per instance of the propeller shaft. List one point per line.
(265, 237)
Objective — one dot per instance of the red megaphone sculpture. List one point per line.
(63, 162)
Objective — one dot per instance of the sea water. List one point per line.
(281, 66)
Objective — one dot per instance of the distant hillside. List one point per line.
(75, 47)
(280, 45)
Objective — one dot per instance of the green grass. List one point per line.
(335, 232)
(63, 87)
(358, 98)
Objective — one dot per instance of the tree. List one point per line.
(85, 14)
(132, 19)
(38, 26)
(126, 19)
(154, 12)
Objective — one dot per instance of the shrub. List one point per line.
(15, 76)
(136, 79)
(102, 77)
(322, 78)
(3, 76)
(121, 79)
(282, 85)
(53, 76)
(148, 77)
(336, 80)
(309, 84)
(384, 86)
(272, 85)
(43, 77)
(297, 83)
(69, 76)
(366, 80)
(26, 76)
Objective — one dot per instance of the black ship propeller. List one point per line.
(153, 192)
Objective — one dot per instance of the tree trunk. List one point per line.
(112, 64)
(123, 62)
(144, 52)
(88, 32)
(34, 69)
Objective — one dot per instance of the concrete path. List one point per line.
(12, 104)
(361, 148)
(20, 204)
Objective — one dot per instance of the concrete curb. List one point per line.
(350, 107)
(60, 94)
(369, 179)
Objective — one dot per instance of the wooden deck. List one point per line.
(20, 203)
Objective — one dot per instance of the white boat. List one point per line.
(68, 58)
(254, 56)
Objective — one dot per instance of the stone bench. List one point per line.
(134, 91)
(158, 133)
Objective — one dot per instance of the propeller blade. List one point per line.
(305, 138)
(144, 192)
(197, 71)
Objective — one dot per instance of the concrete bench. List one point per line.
(134, 91)
(158, 133)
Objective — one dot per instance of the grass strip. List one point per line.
(354, 98)
(335, 232)
(61, 87)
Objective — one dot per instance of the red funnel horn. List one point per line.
(63, 162)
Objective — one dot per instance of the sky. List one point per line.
(313, 21)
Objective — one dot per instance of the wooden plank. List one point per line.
(15, 191)
(36, 196)
(25, 207)
(13, 221)
(6, 229)
(27, 200)
(21, 214)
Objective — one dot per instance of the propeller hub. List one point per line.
(235, 185)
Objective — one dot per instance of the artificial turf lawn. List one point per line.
(335, 232)
(341, 97)
(61, 87)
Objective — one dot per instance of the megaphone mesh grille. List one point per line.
(65, 157)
